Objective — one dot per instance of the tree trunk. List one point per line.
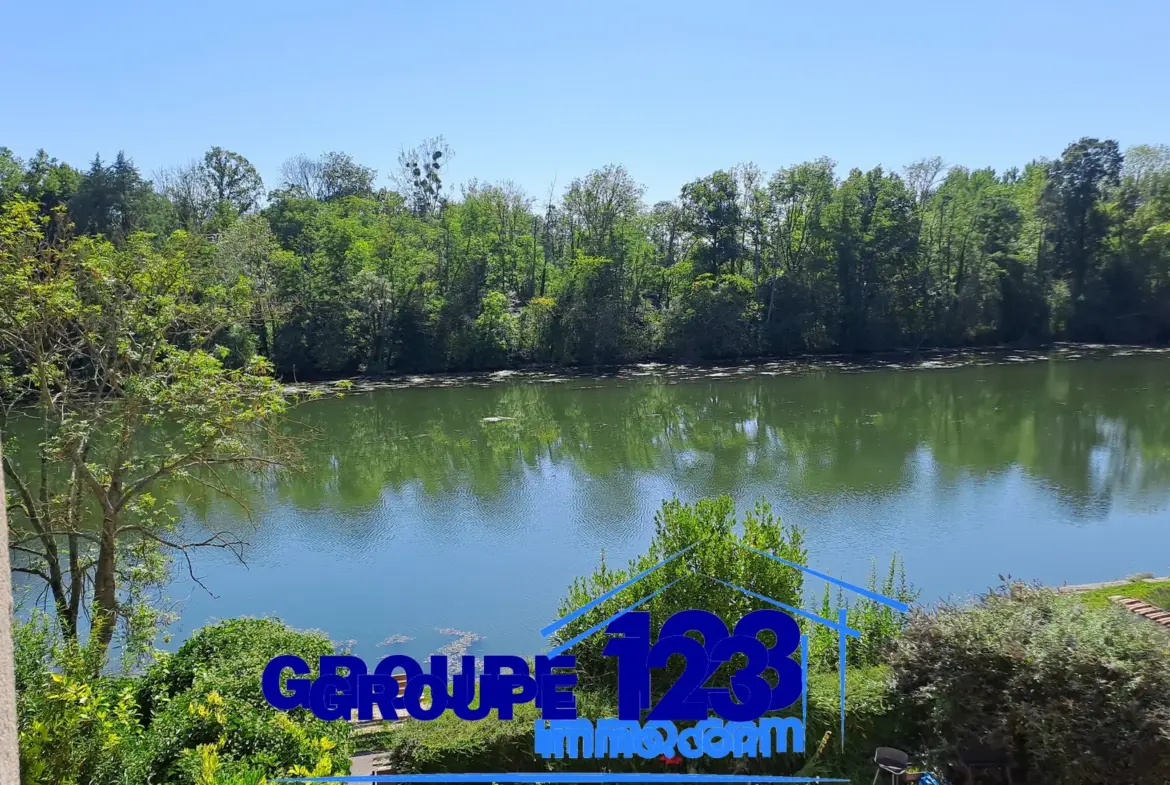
(76, 587)
(260, 325)
(9, 750)
(105, 600)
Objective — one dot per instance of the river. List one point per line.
(430, 510)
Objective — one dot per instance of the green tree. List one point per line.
(710, 526)
(232, 182)
(1077, 221)
(801, 294)
(11, 174)
(50, 184)
(332, 176)
(111, 350)
(714, 216)
(714, 320)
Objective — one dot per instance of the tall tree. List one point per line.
(92, 206)
(11, 174)
(52, 185)
(420, 172)
(232, 182)
(712, 205)
(331, 176)
(186, 190)
(599, 209)
(799, 255)
(1077, 223)
(341, 176)
(110, 353)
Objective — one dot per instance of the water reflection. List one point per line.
(972, 471)
(1094, 431)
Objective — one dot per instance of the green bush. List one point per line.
(1076, 694)
(74, 726)
(714, 318)
(879, 624)
(208, 696)
(449, 744)
(232, 654)
(454, 745)
(197, 717)
(710, 525)
(869, 723)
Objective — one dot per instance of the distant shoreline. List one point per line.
(934, 359)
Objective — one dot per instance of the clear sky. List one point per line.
(539, 91)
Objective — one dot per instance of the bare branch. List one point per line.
(29, 551)
(26, 497)
(31, 571)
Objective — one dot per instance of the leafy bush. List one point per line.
(233, 654)
(449, 744)
(207, 697)
(197, 717)
(714, 318)
(1076, 694)
(868, 722)
(710, 526)
(73, 726)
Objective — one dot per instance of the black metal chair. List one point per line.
(892, 761)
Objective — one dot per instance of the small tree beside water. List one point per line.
(113, 380)
(709, 576)
(710, 526)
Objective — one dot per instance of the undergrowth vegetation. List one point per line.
(1073, 693)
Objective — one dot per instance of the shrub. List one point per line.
(206, 698)
(74, 726)
(454, 745)
(233, 654)
(449, 744)
(1075, 694)
(710, 525)
(198, 717)
(713, 319)
(878, 624)
(868, 722)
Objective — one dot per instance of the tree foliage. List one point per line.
(112, 353)
(807, 259)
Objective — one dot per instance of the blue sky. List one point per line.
(542, 91)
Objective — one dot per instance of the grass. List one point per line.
(1153, 592)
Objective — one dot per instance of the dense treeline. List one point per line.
(349, 278)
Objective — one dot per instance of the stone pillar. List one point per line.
(9, 752)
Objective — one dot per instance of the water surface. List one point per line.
(415, 515)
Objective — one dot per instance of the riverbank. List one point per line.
(1138, 580)
(1137, 587)
(937, 359)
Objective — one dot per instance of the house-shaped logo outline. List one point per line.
(844, 631)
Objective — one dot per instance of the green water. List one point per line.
(415, 515)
